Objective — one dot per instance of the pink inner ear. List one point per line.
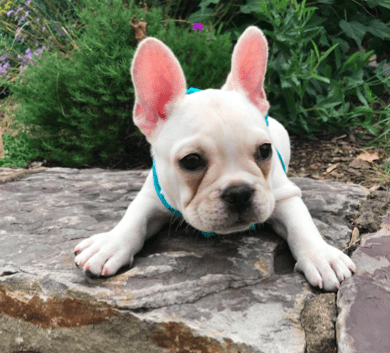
(249, 64)
(165, 97)
(158, 81)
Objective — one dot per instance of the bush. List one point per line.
(312, 82)
(78, 109)
(17, 152)
(318, 76)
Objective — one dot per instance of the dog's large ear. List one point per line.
(158, 82)
(249, 64)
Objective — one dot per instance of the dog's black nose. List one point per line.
(238, 197)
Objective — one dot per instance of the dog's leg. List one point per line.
(104, 254)
(323, 265)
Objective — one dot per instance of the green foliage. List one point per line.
(358, 23)
(17, 152)
(311, 80)
(318, 76)
(78, 109)
(29, 27)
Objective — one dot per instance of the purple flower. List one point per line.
(9, 13)
(28, 2)
(198, 26)
(37, 19)
(22, 58)
(29, 54)
(3, 68)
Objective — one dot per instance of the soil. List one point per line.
(343, 158)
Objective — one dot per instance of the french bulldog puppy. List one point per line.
(219, 162)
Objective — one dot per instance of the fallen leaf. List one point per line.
(360, 164)
(375, 187)
(313, 166)
(139, 29)
(369, 156)
(337, 175)
(332, 167)
(354, 237)
(317, 177)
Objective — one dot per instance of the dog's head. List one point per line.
(212, 148)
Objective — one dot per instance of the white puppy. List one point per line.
(219, 162)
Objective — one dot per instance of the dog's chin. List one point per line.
(238, 226)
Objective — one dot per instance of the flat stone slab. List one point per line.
(234, 293)
(363, 302)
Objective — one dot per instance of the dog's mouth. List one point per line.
(240, 225)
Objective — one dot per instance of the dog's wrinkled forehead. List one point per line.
(211, 111)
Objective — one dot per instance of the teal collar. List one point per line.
(158, 187)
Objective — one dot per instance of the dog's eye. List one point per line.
(192, 162)
(264, 152)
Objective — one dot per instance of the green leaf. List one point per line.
(204, 11)
(316, 49)
(328, 71)
(362, 110)
(361, 97)
(351, 59)
(378, 29)
(324, 40)
(326, 54)
(354, 30)
(328, 103)
(304, 88)
(384, 3)
(200, 15)
(343, 45)
(371, 97)
(253, 8)
(320, 78)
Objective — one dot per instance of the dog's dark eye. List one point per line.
(264, 152)
(192, 162)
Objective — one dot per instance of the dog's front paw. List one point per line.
(103, 254)
(325, 267)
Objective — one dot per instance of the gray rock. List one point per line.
(235, 293)
(364, 300)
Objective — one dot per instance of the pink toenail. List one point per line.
(105, 272)
(87, 266)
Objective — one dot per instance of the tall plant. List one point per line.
(78, 108)
(311, 79)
